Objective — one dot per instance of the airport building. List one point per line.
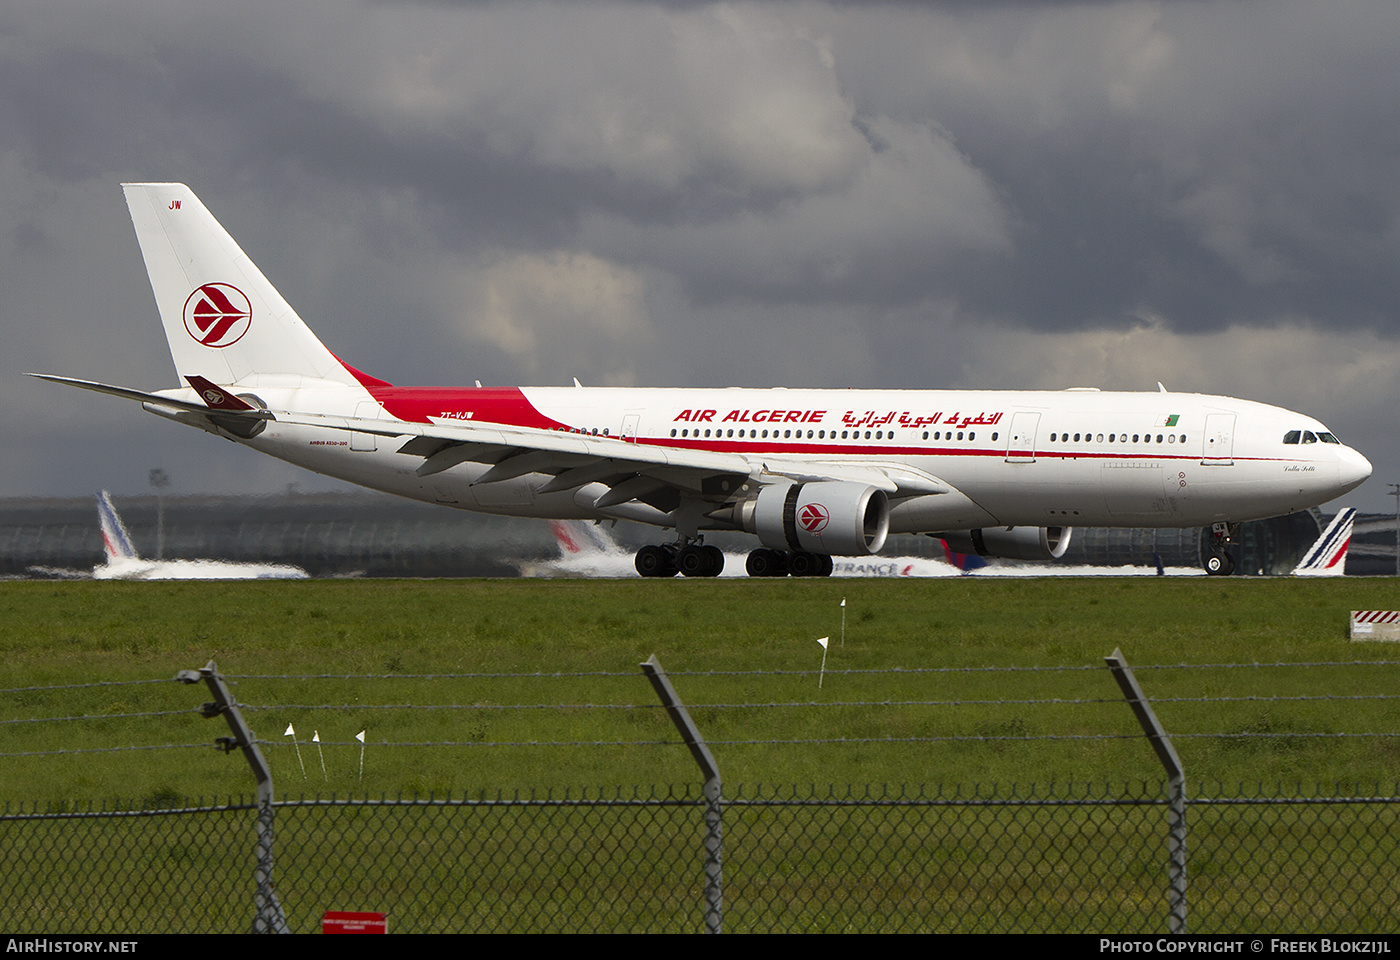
(372, 535)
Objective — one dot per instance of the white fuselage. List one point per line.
(1012, 458)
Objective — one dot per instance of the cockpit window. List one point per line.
(1327, 438)
(1309, 437)
(1292, 436)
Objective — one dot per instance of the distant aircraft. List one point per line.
(812, 474)
(1328, 556)
(123, 563)
(587, 550)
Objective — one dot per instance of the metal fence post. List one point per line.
(269, 917)
(714, 800)
(1176, 788)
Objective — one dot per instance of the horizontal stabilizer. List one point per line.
(159, 400)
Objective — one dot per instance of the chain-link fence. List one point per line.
(860, 860)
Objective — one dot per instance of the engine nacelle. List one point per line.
(828, 517)
(1012, 543)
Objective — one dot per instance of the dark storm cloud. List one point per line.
(1007, 194)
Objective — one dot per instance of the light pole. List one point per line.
(160, 480)
(1395, 492)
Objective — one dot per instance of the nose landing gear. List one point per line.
(1218, 561)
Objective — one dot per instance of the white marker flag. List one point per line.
(290, 732)
(822, 675)
(361, 737)
(316, 739)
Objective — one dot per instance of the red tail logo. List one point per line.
(218, 314)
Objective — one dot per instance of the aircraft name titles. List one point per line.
(851, 418)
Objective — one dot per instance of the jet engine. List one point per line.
(1012, 543)
(828, 517)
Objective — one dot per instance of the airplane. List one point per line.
(123, 563)
(813, 474)
(1327, 557)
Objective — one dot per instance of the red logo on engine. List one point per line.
(813, 517)
(218, 314)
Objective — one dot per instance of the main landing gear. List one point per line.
(1219, 562)
(669, 559)
(780, 563)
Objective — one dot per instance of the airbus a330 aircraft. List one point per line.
(812, 473)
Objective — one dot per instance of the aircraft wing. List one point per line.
(650, 473)
(653, 474)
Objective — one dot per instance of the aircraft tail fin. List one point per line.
(966, 562)
(1327, 557)
(223, 319)
(578, 538)
(115, 540)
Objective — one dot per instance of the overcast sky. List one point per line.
(998, 195)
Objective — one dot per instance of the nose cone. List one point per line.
(1352, 470)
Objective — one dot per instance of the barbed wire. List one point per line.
(85, 750)
(773, 741)
(104, 716)
(803, 704)
(804, 672)
(81, 686)
(632, 675)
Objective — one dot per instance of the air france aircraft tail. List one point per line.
(208, 291)
(116, 542)
(1328, 556)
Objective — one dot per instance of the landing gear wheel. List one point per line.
(697, 560)
(766, 563)
(805, 564)
(654, 561)
(716, 556)
(1220, 564)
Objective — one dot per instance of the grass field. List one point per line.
(330, 656)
